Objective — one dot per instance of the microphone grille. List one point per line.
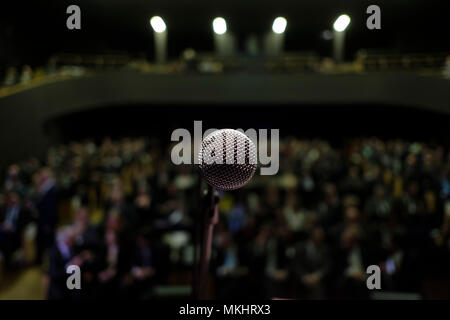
(227, 159)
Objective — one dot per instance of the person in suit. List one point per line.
(86, 237)
(60, 257)
(85, 246)
(13, 221)
(231, 264)
(351, 259)
(311, 265)
(140, 277)
(47, 208)
(111, 264)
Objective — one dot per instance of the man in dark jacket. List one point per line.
(139, 280)
(311, 265)
(47, 207)
(13, 221)
(60, 257)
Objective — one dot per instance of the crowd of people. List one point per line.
(123, 213)
(26, 75)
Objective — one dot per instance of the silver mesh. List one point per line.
(227, 159)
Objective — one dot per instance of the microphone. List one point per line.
(227, 159)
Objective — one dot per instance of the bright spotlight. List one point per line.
(279, 25)
(219, 25)
(158, 24)
(341, 23)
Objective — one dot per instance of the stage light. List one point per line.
(341, 23)
(159, 39)
(279, 25)
(219, 25)
(158, 24)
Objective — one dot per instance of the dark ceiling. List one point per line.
(31, 31)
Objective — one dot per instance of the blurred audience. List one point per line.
(124, 214)
(72, 65)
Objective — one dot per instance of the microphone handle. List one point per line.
(210, 218)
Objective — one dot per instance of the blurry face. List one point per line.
(116, 195)
(13, 171)
(411, 160)
(347, 240)
(82, 215)
(44, 176)
(351, 214)
(380, 192)
(13, 199)
(143, 201)
(330, 191)
(69, 235)
(318, 235)
(110, 238)
(428, 159)
(113, 221)
(349, 237)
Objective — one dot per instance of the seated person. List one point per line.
(139, 280)
(13, 220)
(111, 265)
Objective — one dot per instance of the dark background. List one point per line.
(31, 31)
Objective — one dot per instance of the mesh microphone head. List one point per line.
(227, 159)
